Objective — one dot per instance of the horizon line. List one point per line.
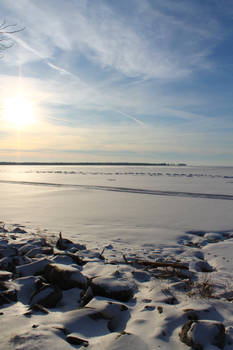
(95, 163)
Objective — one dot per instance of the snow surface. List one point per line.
(151, 213)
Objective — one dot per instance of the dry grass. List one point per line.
(203, 288)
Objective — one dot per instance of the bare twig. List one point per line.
(6, 30)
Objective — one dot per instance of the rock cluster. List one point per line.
(37, 273)
(44, 275)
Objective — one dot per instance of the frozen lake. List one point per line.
(147, 214)
(140, 205)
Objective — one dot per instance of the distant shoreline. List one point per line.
(93, 163)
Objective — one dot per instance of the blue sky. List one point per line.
(135, 80)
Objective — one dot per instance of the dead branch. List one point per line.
(154, 264)
(6, 30)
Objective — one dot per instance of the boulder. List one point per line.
(111, 287)
(47, 296)
(66, 244)
(5, 275)
(200, 334)
(38, 251)
(25, 248)
(3, 229)
(3, 299)
(213, 237)
(97, 318)
(32, 268)
(64, 276)
(8, 293)
(19, 230)
(141, 276)
(9, 263)
(7, 250)
(200, 266)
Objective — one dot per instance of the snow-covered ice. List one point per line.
(148, 250)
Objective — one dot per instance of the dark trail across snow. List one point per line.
(127, 189)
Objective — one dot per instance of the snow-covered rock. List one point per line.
(32, 268)
(47, 296)
(199, 334)
(64, 276)
(114, 288)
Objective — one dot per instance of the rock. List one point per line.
(74, 339)
(40, 281)
(213, 237)
(25, 287)
(3, 229)
(62, 259)
(35, 251)
(111, 287)
(11, 294)
(86, 297)
(149, 308)
(96, 317)
(5, 275)
(160, 309)
(3, 286)
(141, 276)
(40, 308)
(25, 248)
(76, 259)
(199, 334)
(181, 286)
(18, 230)
(64, 276)
(9, 263)
(8, 293)
(32, 268)
(3, 299)
(8, 251)
(47, 296)
(200, 266)
(191, 315)
(64, 244)
(127, 341)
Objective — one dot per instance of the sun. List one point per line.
(19, 111)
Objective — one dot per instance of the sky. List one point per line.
(107, 80)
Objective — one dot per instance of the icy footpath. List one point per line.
(58, 294)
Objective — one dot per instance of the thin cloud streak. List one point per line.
(131, 118)
(129, 46)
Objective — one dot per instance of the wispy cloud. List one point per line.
(158, 41)
(136, 75)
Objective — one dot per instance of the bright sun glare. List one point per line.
(19, 111)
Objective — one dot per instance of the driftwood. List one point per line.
(174, 265)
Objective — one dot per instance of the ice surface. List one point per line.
(151, 213)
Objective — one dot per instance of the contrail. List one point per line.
(130, 117)
(65, 71)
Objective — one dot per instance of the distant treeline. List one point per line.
(93, 163)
